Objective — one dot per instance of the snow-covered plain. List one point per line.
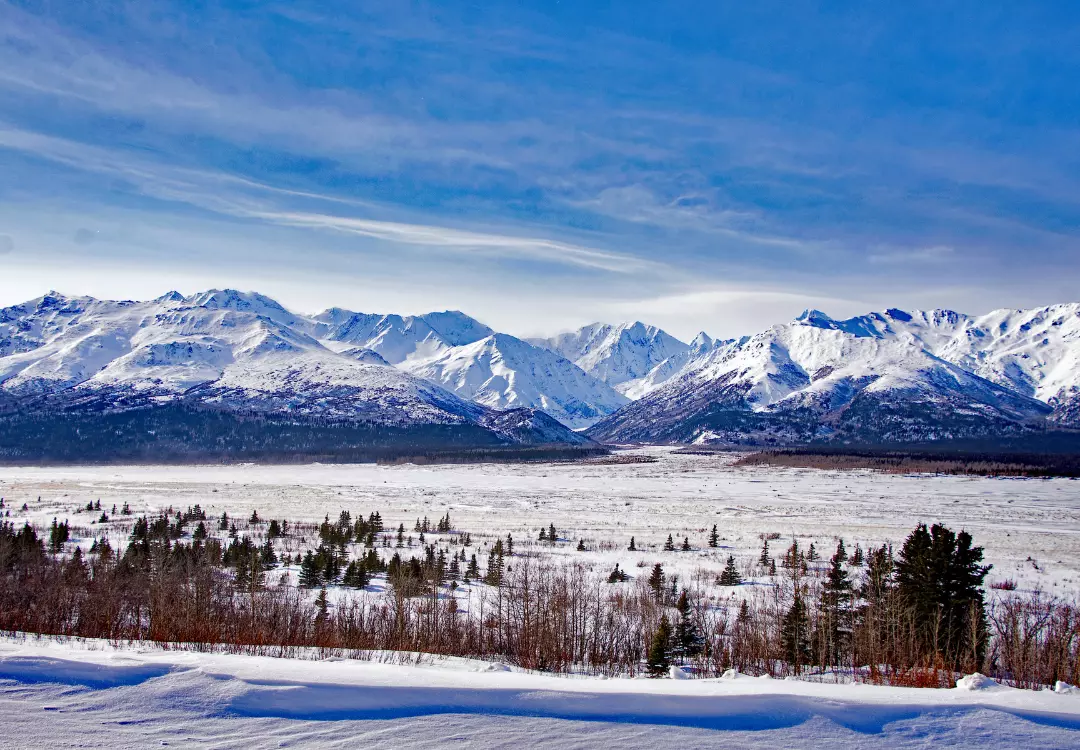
(1030, 528)
(88, 694)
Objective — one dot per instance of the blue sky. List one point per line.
(544, 164)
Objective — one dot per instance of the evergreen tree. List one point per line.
(543, 535)
(659, 660)
(763, 558)
(714, 537)
(633, 547)
(310, 572)
(669, 545)
(581, 545)
(656, 581)
(322, 606)
(496, 565)
(688, 641)
(552, 535)
(617, 575)
(939, 579)
(835, 610)
(223, 524)
(267, 557)
(857, 557)
(686, 544)
(811, 553)
(356, 575)
(730, 575)
(795, 634)
(509, 545)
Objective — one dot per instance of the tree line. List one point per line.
(914, 616)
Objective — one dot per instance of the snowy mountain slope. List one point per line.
(504, 372)
(222, 350)
(620, 355)
(682, 363)
(399, 339)
(867, 379)
(1033, 352)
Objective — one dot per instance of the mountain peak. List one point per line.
(811, 316)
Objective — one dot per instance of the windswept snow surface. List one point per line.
(88, 694)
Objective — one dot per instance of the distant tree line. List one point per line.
(912, 462)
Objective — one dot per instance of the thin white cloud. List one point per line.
(237, 197)
(436, 236)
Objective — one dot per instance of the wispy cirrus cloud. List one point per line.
(776, 151)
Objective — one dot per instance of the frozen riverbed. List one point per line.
(1029, 527)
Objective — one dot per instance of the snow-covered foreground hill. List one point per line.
(89, 694)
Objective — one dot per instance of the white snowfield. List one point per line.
(1030, 528)
(90, 695)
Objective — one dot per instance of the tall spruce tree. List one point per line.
(835, 610)
(795, 634)
(687, 640)
(939, 579)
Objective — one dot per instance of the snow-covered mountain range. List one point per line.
(891, 376)
(888, 377)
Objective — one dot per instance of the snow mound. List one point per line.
(978, 681)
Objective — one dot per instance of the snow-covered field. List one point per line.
(1030, 528)
(88, 694)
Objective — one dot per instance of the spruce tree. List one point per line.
(939, 579)
(730, 575)
(795, 634)
(633, 546)
(857, 557)
(310, 572)
(581, 545)
(687, 638)
(763, 558)
(322, 607)
(656, 581)
(669, 545)
(686, 544)
(835, 610)
(658, 661)
(714, 537)
(356, 575)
